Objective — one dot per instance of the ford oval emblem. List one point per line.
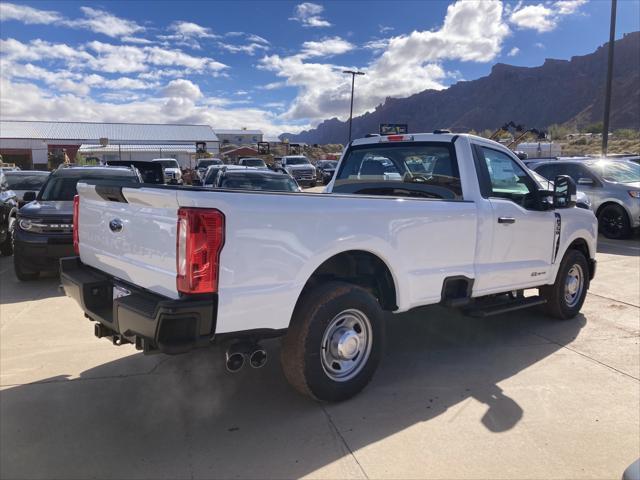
(116, 225)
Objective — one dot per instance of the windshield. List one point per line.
(618, 172)
(297, 161)
(169, 163)
(26, 182)
(253, 162)
(63, 188)
(208, 163)
(420, 169)
(269, 183)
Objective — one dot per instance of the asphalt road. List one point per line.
(514, 396)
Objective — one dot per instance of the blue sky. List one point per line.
(274, 65)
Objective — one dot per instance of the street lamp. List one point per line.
(607, 94)
(353, 81)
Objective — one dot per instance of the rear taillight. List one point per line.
(200, 240)
(76, 220)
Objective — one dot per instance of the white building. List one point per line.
(28, 143)
(540, 149)
(239, 137)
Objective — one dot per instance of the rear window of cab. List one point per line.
(416, 169)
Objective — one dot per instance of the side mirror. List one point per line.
(29, 196)
(564, 192)
(585, 181)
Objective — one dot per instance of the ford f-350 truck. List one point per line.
(407, 220)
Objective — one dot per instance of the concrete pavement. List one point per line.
(513, 396)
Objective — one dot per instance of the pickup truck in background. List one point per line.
(171, 268)
(300, 168)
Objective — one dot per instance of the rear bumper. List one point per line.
(150, 321)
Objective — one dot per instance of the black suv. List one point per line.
(8, 212)
(43, 231)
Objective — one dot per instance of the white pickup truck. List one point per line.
(407, 220)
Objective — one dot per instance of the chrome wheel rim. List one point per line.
(346, 345)
(573, 285)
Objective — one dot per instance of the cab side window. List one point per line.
(507, 178)
(548, 171)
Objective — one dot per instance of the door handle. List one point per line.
(506, 220)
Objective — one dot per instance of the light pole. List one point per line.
(353, 81)
(607, 94)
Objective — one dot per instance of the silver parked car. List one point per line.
(612, 185)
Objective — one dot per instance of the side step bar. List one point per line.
(482, 311)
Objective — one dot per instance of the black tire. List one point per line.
(613, 222)
(558, 305)
(6, 247)
(302, 354)
(23, 274)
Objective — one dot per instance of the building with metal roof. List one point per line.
(185, 154)
(239, 137)
(31, 144)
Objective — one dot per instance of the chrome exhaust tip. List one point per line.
(234, 362)
(258, 358)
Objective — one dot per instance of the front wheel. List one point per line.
(566, 296)
(334, 343)
(613, 222)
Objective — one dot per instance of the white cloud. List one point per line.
(272, 86)
(138, 40)
(28, 15)
(384, 29)
(189, 29)
(377, 44)
(257, 39)
(326, 47)
(129, 58)
(543, 17)
(472, 31)
(110, 58)
(513, 52)
(535, 17)
(308, 14)
(101, 21)
(29, 102)
(94, 19)
(182, 88)
(567, 7)
(249, 49)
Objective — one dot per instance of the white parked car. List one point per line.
(171, 269)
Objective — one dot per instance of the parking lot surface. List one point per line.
(513, 396)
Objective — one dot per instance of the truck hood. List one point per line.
(45, 209)
(300, 167)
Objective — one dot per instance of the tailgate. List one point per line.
(130, 235)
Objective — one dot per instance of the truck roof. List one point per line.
(410, 137)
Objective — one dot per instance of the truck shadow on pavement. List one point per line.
(184, 416)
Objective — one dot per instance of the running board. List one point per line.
(504, 307)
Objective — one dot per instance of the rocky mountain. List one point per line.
(557, 92)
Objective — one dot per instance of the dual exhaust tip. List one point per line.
(240, 353)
